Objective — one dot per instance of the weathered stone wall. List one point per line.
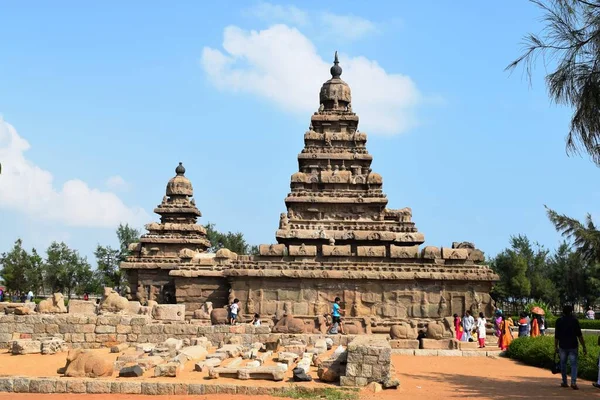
(369, 360)
(387, 299)
(83, 331)
(194, 292)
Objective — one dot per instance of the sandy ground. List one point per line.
(421, 378)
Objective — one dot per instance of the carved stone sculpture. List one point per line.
(113, 302)
(56, 304)
(435, 330)
(82, 363)
(140, 294)
(219, 316)
(205, 311)
(283, 221)
(403, 331)
(289, 324)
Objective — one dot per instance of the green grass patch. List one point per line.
(539, 352)
(295, 392)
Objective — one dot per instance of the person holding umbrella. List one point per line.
(535, 322)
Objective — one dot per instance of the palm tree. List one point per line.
(570, 43)
(585, 236)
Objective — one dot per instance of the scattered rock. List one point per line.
(131, 372)
(145, 347)
(53, 346)
(391, 383)
(119, 348)
(194, 353)
(172, 343)
(200, 341)
(329, 343)
(23, 311)
(301, 376)
(150, 362)
(375, 387)
(26, 346)
(206, 364)
(166, 370)
(220, 356)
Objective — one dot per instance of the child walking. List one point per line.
(233, 311)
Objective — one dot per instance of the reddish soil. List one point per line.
(423, 378)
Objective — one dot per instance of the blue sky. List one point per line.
(101, 101)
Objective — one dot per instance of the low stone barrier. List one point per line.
(19, 384)
(91, 331)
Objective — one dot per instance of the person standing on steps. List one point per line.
(468, 323)
(336, 315)
(567, 333)
(481, 333)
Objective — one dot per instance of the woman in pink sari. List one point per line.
(498, 323)
(457, 326)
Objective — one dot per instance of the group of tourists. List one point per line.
(470, 330)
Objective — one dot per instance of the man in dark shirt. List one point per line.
(566, 335)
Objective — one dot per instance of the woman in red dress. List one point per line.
(457, 326)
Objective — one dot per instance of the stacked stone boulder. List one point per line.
(368, 360)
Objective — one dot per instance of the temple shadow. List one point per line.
(466, 386)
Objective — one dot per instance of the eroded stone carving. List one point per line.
(56, 304)
(113, 302)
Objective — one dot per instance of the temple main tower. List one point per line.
(335, 197)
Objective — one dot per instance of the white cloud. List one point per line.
(279, 13)
(27, 188)
(346, 26)
(116, 183)
(282, 65)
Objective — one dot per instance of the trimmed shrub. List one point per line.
(539, 352)
(584, 323)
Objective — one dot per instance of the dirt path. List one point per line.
(422, 378)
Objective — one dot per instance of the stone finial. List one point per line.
(336, 70)
(180, 170)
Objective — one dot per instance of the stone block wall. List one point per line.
(91, 331)
(369, 360)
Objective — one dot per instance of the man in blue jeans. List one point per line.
(566, 334)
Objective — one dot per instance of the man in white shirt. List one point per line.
(468, 324)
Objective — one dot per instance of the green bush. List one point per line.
(539, 352)
(584, 323)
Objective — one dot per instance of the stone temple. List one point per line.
(337, 238)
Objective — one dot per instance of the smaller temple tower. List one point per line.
(177, 236)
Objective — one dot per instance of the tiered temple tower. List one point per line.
(335, 197)
(177, 236)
